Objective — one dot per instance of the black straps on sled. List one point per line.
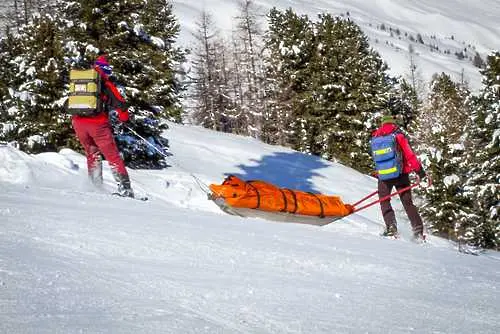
(284, 200)
(294, 199)
(322, 213)
(256, 191)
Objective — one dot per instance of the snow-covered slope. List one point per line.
(449, 25)
(74, 259)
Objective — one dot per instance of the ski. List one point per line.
(419, 241)
(138, 198)
(13, 144)
(397, 236)
(389, 237)
(470, 250)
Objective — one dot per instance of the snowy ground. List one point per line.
(76, 260)
(449, 25)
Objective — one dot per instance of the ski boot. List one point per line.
(419, 237)
(124, 188)
(391, 232)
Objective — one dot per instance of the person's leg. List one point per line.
(384, 189)
(410, 208)
(106, 143)
(94, 161)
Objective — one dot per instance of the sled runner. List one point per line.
(264, 200)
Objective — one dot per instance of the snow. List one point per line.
(450, 25)
(74, 259)
(35, 139)
(158, 42)
(6, 127)
(451, 180)
(495, 139)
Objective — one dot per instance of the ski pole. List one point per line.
(147, 142)
(200, 183)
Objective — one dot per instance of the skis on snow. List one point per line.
(397, 236)
(138, 198)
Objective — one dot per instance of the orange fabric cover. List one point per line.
(265, 196)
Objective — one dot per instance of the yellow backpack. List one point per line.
(84, 91)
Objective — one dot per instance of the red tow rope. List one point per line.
(385, 198)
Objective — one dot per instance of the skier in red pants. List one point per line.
(95, 134)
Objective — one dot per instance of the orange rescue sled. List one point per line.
(264, 200)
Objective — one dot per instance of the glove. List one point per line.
(118, 128)
(123, 115)
(422, 174)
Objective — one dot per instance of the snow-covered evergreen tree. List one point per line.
(139, 38)
(250, 66)
(441, 126)
(9, 47)
(483, 183)
(212, 92)
(34, 114)
(350, 84)
(18, 13)
(138, 35)
(404, 104)
(289, 48)
(332, 81)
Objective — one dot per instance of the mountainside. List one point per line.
(449, 29)
(446, 36)
(75, 259)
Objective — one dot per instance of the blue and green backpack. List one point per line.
(387, 157)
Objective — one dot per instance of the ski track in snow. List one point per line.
(74, 259)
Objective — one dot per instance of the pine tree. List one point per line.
(203, 72)
(483, 183)
(327, 82)
(414, 78)
(289, 48)
(139, 38)
(250, 66)
(18, 13)
(214, 101)
(35, 108)
(441, 126)
(349, 84)
(9, 48)
(404, 104)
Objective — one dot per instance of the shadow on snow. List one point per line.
(285, 169)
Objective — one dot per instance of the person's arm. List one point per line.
(115, 100)
(409, 156)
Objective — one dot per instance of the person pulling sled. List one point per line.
(394, 161)
(92, 96)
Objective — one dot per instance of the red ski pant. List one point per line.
(97, 139)
(385, 188)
